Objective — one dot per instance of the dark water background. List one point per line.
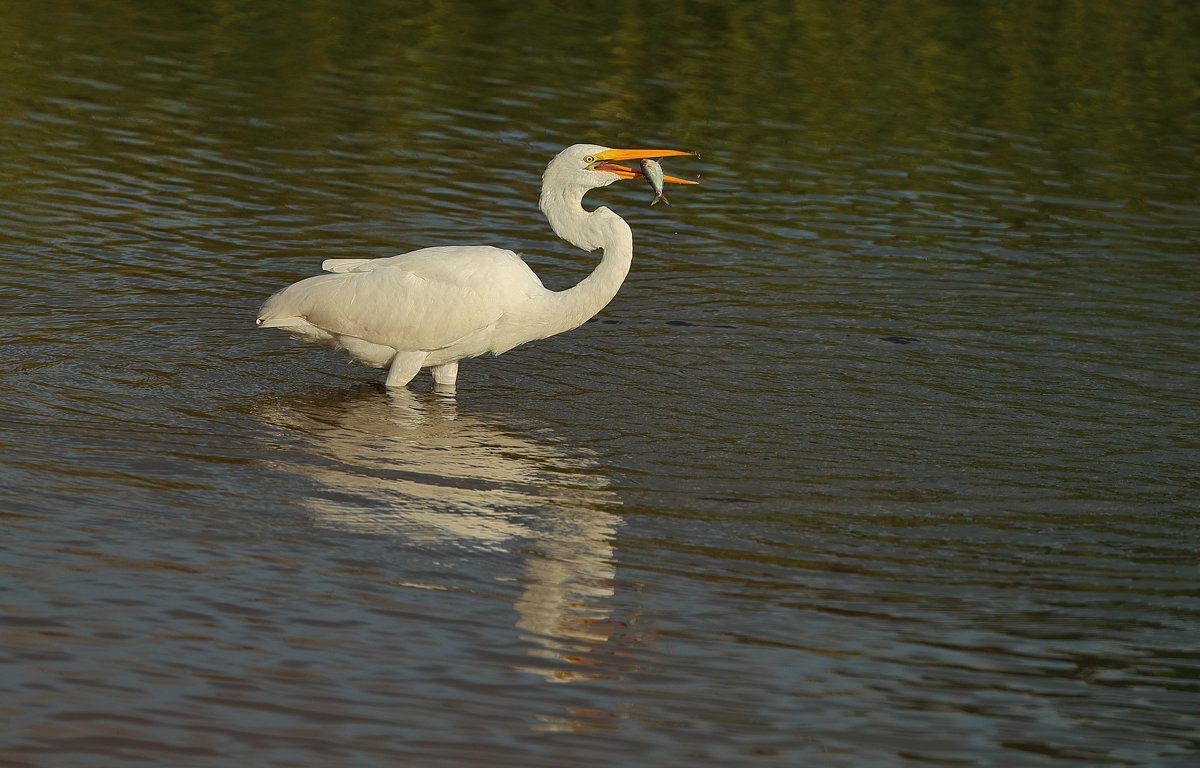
(884, 455)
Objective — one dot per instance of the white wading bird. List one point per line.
(435, 306)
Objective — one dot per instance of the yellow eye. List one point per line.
(589, 159)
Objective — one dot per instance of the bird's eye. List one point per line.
(589, 159)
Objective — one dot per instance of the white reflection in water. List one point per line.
(389, 463)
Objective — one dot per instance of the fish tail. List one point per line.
(660, 196)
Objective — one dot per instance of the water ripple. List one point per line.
(883, 454)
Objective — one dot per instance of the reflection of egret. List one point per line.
(419, 470)
(433, 307)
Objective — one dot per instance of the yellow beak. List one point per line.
(606, 161)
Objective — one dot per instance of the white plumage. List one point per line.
(433, 307)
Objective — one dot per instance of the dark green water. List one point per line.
(884, 455)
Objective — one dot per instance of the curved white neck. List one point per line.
(589, 230)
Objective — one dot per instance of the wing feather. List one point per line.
(344, 265)
(427, 300)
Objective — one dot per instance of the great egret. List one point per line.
(435, 306)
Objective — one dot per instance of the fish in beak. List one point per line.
(654, 174)
(609, 160)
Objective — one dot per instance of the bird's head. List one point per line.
(577, 169)
(590, 165)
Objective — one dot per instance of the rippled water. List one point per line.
(884, 455)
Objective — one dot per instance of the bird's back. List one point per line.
(429, 299)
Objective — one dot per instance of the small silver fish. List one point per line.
(654, 174)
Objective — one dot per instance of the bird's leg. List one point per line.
(445, 374)
(404, 366)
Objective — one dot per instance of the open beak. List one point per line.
(607, 161)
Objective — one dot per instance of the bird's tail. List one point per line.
(280, 322)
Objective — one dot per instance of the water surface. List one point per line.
(884, 455)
